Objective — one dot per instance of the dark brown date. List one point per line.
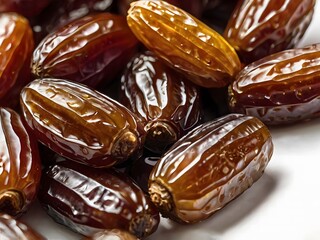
(20, 166)
(16, 46)
(90, 50)
(114, 234)
(89, 200)
(27, 8)
(168, 104)
(209, 167)
(80, 123)
(11, 229)
(281, 88)
(259, 28)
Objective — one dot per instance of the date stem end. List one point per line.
(11, 202)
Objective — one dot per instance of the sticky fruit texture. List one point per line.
(259, 28)
(280, 89)
(209, 167)
(91, 50)
(27, 8)
(89, 200)
(184, 43)
(168, 103)
(113, 234)
(11, 228)
(16, 46)
(80, 123)
(20, 166)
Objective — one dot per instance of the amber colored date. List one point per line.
(80, 123)
(113, 234)
(11, 229)
(168, 103)
(209, 167)
(184, 42)
(90, 50)
(28, 8)
(20, 169)
(281, 88)
(16, 46)
(259, 28)
(89, 200)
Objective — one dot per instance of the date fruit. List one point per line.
(16, 46)
(184, 42)
(168, 104)
(11, 229)
(113, 234)
(209, 167)
(20, 166)
(27, 8)
(259, 28)
(91, 50)
(281, 88)
(80, 123)
(89, 200)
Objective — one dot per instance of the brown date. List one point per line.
(184, 42)
(259, 28)
(89, 200)
(20, 166)
(11, 229)
(209, 167)
(80, 123)
(281, 88)
(167, 103)
(27, 8)
(113, 234)
(16, 46)
(90, 50)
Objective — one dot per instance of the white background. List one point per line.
(283, 204)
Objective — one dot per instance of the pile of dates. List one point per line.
(114, 113)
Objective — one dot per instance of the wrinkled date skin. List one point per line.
(260, 28)
(91, 50)
(113, 234)
(11, 228)
(80, 123)
(184, 42)
(27, 8)
(16, 46)
(209, 167)
(89, 200)
(280, 89)
(20, 165)
(168, 104)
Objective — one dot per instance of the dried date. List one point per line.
(27, 8)
(209, 167)
(184, 42)
(80, 123)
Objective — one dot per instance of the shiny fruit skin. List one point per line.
(260, 28)
(15, 49)
(282, 88)
(20, 165)
(89, 200)
(113, 234)
(91, 50)
(184, 42)
(11, 228)
(80, 123)
(27, 8)
(168, 104)
(209, 167)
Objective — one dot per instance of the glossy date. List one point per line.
(209, 167)
(280, 89)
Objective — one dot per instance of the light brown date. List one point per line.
(209, 167)
(280, 89)
(80, 123)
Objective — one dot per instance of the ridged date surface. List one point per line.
(260, 28)
(113, 234)
(20, 166)
(89, 200)
(16, 46)
(184, 43)
(90, 50)
(80, 123)
(11, 229)
(281, 88)
(168, 104)
(209, 167)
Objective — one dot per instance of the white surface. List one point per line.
(283, 204)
